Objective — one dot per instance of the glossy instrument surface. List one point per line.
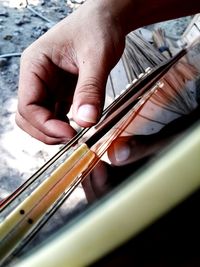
(167, 97)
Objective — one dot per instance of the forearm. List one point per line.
(132, 14)
(69, 65)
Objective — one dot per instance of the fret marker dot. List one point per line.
(30, 221)
(22, 212)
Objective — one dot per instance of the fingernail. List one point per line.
(122, 152)
(88, 113)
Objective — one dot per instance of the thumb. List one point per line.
(89, 95)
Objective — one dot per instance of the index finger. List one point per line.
(33, 96)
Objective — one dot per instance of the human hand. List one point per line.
(126, 154)
(71, 62)
(68, 65)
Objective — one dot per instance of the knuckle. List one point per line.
(20, 121)
(46, 140)
(91, 88)
(17, 120)
(21, 111)
(25, 54)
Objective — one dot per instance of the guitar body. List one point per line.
(144, 212)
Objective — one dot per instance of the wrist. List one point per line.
(132, 14)
(120, 12)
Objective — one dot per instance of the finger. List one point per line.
(88, 190)
(96, 184)
(129, 149)
(61, 110)
(32, 95)
(89, 94)
(34, 132)
(44, 121)
(99, 178)
(120, 151)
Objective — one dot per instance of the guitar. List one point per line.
(137, 202)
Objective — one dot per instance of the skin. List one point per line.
(69, 65)
(68, 68)
(126, 151)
